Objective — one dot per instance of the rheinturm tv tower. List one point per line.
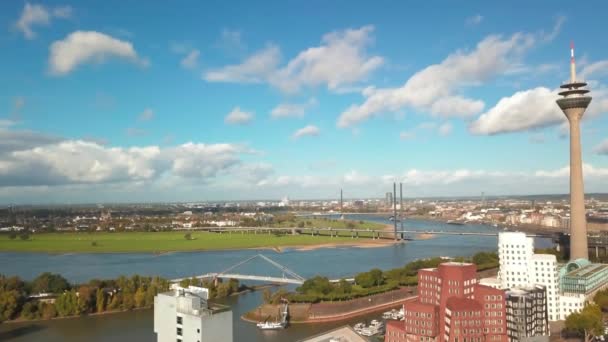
(573, 103)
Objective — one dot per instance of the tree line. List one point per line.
(375, 281)
(50, 295)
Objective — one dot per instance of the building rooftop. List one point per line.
(193, 304)
(587, 271)
(462, 304)
(342, 334)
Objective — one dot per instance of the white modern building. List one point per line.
(520, 267)
(185, 315)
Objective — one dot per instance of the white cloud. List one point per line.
(474, 20)
(589, 171)
(524, 110)
(532, 109)
(340, 60)
(602, 148)
(255, 69)
(238, 117)
(594, 70)
(146, 115)
(33, 159)
(16, 140)
(445, 129)
(39, 15)
(190, 61)
(292, 110)
(192, 160)
(550, 36)
(436, 88)
(82, 47)
(310, 130)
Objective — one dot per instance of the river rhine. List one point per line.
(138, 325)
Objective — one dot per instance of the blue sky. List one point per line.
(120, 101)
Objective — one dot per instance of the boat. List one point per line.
(455, 222)
(271, 325)
(276, 325)
(374, 328)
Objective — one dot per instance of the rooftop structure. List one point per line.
(342, 334)
(582, 277)
(573, 103)
(185, 315)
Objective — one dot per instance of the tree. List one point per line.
(100, 301)
(48, 311)
(374, 277)
(128, 300)
(188, 236)
(140, 297)
(49, 283)
(29, 310)
(24, 236)
(10, 302)
(86, 298)
(587, 323)
(12, 235)
(67, 304)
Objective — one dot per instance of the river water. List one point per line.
(138, 325)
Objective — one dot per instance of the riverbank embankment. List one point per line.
(306, 313)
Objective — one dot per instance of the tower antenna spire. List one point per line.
(572, 63)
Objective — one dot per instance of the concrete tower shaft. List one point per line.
(573, 103)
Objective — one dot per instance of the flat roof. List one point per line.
(342, 334)
(587, 271)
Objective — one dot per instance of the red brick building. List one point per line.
(452, 307)
(395, 332)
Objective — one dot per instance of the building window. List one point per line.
(179, 320)
(198, 331)
(179, 331)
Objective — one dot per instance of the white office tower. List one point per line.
(515, 252)
(520, 267)
(185, 315)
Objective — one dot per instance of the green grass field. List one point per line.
(156, 242)
(320, 222)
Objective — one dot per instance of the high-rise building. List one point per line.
(388, 199)
(573, 103)
(452, 306)
(185, 315)
(520, 267)
(526, 313)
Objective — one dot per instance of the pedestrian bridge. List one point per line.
(289, 276)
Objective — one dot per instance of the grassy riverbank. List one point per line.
(158, 242)
(322, 222)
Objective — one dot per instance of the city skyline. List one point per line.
(97, 107)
